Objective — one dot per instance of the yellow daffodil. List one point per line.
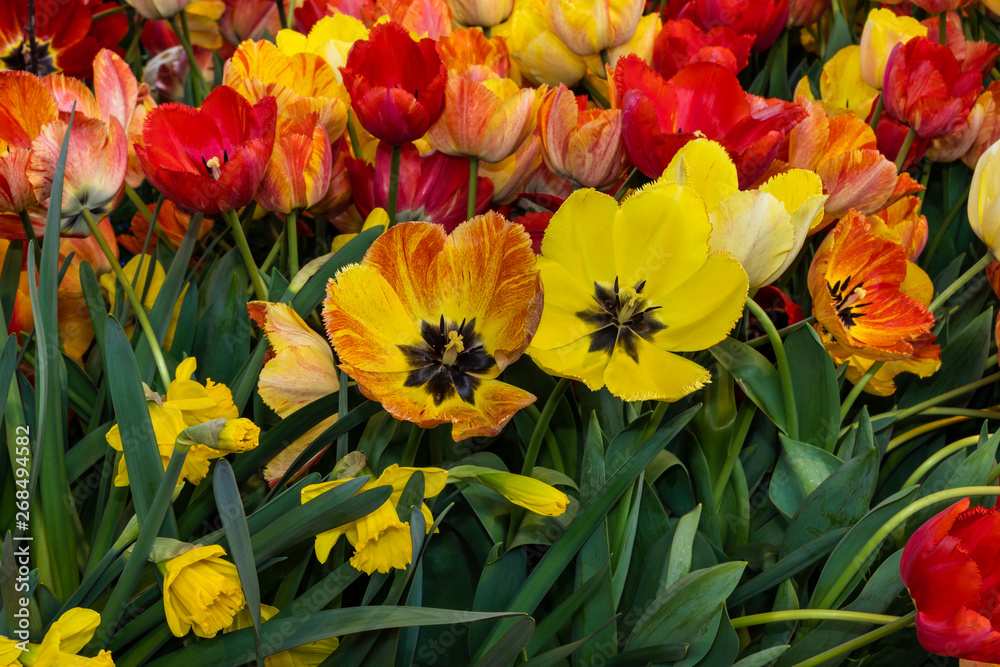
(187, 403)
(764, 229)
(64, 639)
(331, 37)
(842, 88)
(147, 287)
(427, 321)
(528, 492)
(307, 655)
(381, 541)
(300, 371)
(629, 287)
(9, 652)
(984, 199)
(884, 30)
(201, 591)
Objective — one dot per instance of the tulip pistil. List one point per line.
(622, 316)
(448, 361)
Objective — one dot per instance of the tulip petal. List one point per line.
(653, 375)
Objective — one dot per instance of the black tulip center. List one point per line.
(448, 361)
(621, 316)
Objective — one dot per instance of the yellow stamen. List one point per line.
(214, 166)
(452, 349)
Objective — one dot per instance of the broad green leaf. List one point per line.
(840, 500)
(690, 596)
(788, 566)
(559, 617)
(561, 554)
(824, 595)
(963, 360)
(883, 588)
(222, 337)
(307, 628)
(761, 658)
(500, 580)
(10, 278)
(234, 522)
(723, 651)
(557, 655)
(817, 394)
(755, 375)
(800, 470)
(510, 645)
(679, 563)
(142, 456)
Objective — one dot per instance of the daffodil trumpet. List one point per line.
(133, 298)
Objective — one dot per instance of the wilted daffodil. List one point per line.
(629, 288)
(858, 284)
(764, 229)
(201, 590)
(306, 655)
(187, 403)
(427, 321)
(381, 541)
(64, 639)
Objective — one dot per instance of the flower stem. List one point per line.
(473, 181)
(905, 149)
(282, 15)
(858, 388)
(291, 233)
(879, 106)
(109, 12)
(140, 311)
(627, 184)
(599, 99)
(784, 373)
(352, 132)
(867, 550)
(905, 437)
(940, 299)
(812, 615)
(200, 87)
(784, 333)
(858, 642)
(943, 28)
(241, 242)
(397, 154)
(29, 233)
(899, 415)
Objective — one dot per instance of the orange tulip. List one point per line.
(96, 162)
(924, 361)
(338, 193)
(989, 130)
(903, 224)
(471, 55)
(25, 107)
(510, 176)
(860, 286)
(425, 18)
(302, 83)
(842, 150)
(488, 120)
(583, 145)
(298, 172)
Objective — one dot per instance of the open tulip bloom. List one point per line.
(467, 332)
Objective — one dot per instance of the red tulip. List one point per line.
(763, 18)
(951, 565)
(681, 43)
(926, 88)
(396, 84)
(432, 187)
(704, 100)
(210, 159)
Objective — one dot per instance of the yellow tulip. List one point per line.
(589, 27)
(883, 31)
(984, 199)
(331, 37)
(536, 50)
(764, 229)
